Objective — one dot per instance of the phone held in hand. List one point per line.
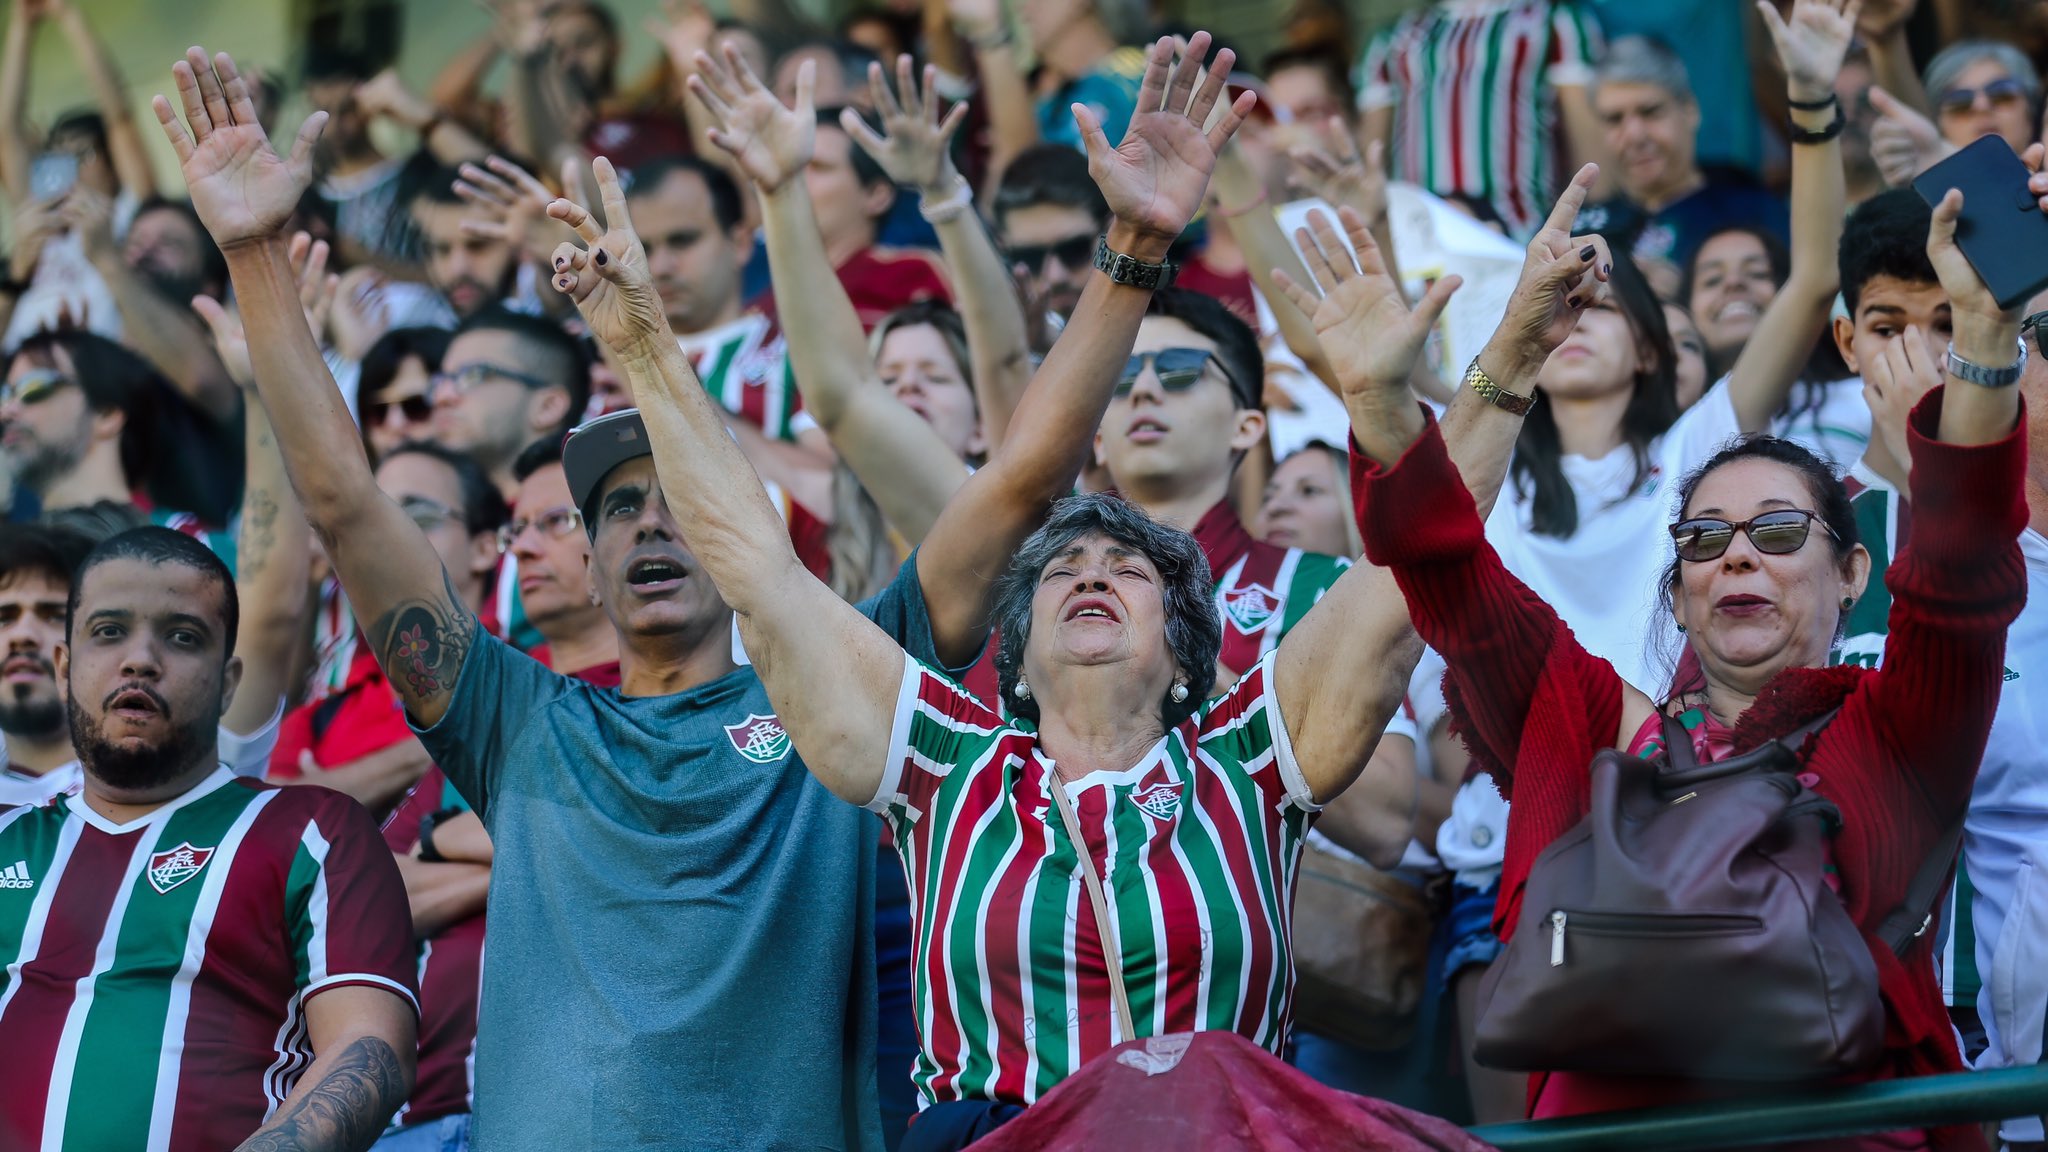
(52, 175)
(2002, 230)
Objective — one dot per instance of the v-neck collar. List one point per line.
(207, 787)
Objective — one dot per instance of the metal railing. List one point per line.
(1926, 1102)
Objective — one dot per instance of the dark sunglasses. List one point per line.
(1078, 252)
(1774, 533)
(2005, 90)
(1177, 368)
(2032, 325)
(34, 387)
(415, 409)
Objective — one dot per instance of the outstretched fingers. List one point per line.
(1371, 260)
(1304, 299)
(1568, 204)
(612, 194)
(878, 91)
(1214, 83)
(210, 94)
(1186, 72)
(241, 106)
(577, 217)
(187, 77)
(1152, 89)
(174, 128)
(1433, 302)
(1227, 126)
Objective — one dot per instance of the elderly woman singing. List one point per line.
(1118, 860)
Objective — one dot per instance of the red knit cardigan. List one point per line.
(1534, 706)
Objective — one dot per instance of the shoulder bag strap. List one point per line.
(1113, 954)
(1910, 920)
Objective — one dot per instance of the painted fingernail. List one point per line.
(1606, 269)
(602, 259)
(562, 282)
(561, 262)
(1586, 253)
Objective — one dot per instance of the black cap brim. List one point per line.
(595, 448)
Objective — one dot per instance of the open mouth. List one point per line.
(136, 704)
(1145, 430)
(655, 574)
(1736, 310)
(1092, 609)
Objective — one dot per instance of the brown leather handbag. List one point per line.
(1684, 928)
(1361, 951)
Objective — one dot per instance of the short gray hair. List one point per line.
(1949, 63)
(1643, 60)
(1194, 630)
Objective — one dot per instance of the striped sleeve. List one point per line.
(1245, 728)
(1374, 81)
(1575, 42)
(350, 923)
(938, 729)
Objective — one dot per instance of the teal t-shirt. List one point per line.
(1110, 91)
(681, 949)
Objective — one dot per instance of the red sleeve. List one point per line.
(1501, 643)
(352, 920)
(294, 736)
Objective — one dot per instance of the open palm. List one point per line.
(912, 147)
(1370, 335)
(241, 188)
(608, 278)
(1812, 42)
(770, 142)
(1156, 178)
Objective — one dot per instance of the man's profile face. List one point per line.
(31, 629)
(148, 670)
(650, 584)
(46, 421)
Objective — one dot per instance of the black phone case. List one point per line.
(2002, 230)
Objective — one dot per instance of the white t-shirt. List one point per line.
(1604, 580)
(244, 755)
(1835, 423)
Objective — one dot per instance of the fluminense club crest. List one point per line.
(169, 869)
(1160, 801)
(759, 738)
(1250, 607)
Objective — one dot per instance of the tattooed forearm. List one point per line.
(259, 533)
(421, 643)
(346, 1111)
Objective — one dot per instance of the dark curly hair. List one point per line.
(1194, 631)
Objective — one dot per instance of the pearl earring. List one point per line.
(1022, 691)
(1179, 694)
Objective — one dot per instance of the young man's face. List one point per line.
(469, 271)
(695, 263)
(1884, 310)
(1162, 440)
(1056, 245)
(31, 629)
(46, 422)
(497, 412)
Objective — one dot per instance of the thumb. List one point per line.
(1092, 138)
(309, 135)
(1431, 306)
(1941, 231)
(216, 317)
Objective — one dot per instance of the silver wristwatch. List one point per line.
(1968, 373)
(1124, 269)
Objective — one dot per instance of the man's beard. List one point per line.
(37, 464)
(145, 769)
(24, 714)
(170, 284)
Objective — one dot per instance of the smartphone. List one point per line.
(2002, 230)
(52, 175)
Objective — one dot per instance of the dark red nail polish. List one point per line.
(1607, 269)
(1586, 253)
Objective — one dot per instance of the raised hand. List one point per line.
(35, 221)
(1812, 43)
(770, 143)
(1881, 17)
(511, 205)
(1903, 142)
(1340, 175)
(914, 144)
(241, 188)
(1154, 181)
(608, 278)
(90, 217)
(1561, 277)
(1369, 333)
(316, 295)
(683, 29)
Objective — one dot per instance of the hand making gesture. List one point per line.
(914, 146)
(1561, 277)
(1812, 43)
(1155, 179)
(607, 278)
(242, 189)
(770, 142)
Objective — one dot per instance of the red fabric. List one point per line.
(1224, 1092)
(1234, 289)
(365, 716)
(880, 280)
(1899, 760)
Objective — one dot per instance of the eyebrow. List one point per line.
(1721, 514)
(623, 492)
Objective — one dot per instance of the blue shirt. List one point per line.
(1676, 232)
(681, 950)
(1110, 91)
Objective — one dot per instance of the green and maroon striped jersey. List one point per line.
(1196, 845)
(745, 367)
(158, 971)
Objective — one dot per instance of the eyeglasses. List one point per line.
(470, 375)
(415, 409)
(429, 514)
(1775, 533)
(1076, 252)
(2004, 90)
(1177, 369)
(34, 387)
(553, 524)
(2031, 326)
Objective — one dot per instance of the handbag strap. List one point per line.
(1112, 953)
(1682, 767)
(1909, 921)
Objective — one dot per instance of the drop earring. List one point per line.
(1022, 691)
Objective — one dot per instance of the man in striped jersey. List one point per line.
(194, 961)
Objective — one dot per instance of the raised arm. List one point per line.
(1240, 200)
(915, 150)
(832, 674)
(895, 454)
(110, 94)
(245, 192)
(1810, 46)
(17, 148)
(1005, 92)
(1882, 25)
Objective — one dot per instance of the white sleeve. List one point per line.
(250, 755)
(1704, 429)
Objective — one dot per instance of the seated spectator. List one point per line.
(1667, 204)
(1984, 88)
(1407, 97)
(396, 388)
(505, 379)
(1047, 214)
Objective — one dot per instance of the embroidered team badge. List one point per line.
(169, 869)
(759, 738)
(1250, 607)
(1160, 801)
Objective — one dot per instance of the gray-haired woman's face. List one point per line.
(1984, 100)
(1100, 602)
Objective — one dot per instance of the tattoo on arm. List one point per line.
(421, 644)
(346, 1111)
(259, 533)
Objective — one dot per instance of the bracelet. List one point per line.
(1125, 269)
(989, 41)
(427, 853)
(1222, 213)
(2004, 376)
(950, 207)
(1483, 386)
(1798, 135)
(1813, 105)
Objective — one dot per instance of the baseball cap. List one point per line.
(596, 447)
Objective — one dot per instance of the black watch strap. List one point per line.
(427, 854)
(1123, 269)
(1798, 135)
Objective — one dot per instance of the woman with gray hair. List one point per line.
(1984, 88)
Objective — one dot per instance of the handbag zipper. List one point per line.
(1557, 939)
(1646, 924)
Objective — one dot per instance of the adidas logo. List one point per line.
(16, 875)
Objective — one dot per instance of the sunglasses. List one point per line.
(1177, 369)
(2031, 327)
(34, 387)
(469, 376)
(1773, 533)
(553, 524)
(2002, 91)
(415, 409)
(1078, 252)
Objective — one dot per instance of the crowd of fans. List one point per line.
(930, 583)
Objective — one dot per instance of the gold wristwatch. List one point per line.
(1481, 384)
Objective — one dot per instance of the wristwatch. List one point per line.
(1130, 270)
(1483, 386)
(1983, 377)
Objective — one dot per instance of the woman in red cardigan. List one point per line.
(1759, 605)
